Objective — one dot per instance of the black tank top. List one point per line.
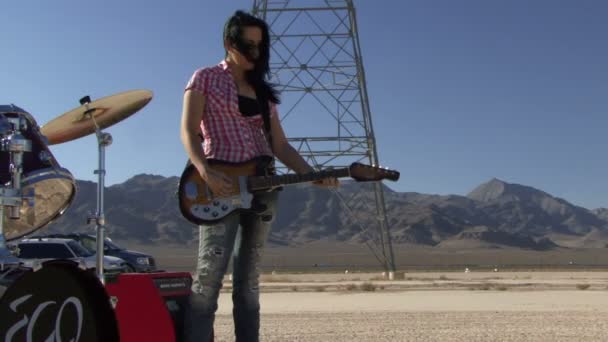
(248, 106)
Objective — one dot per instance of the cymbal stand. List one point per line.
(103, 140)
(11, 196)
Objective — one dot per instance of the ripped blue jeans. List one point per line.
(240, 235)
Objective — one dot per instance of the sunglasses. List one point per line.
(250, 50)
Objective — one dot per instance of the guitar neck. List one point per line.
(266, 182)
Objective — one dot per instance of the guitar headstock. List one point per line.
(366, 173)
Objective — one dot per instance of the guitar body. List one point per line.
(198, 205)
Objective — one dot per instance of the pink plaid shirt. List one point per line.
(227, 134)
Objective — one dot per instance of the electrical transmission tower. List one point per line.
(317, 65)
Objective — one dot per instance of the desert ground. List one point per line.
(428, 306)
(330, 256)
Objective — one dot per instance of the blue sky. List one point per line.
(460, 91)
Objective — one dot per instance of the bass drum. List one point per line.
(53, 187)
(59, 302)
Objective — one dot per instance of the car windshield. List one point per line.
(90, 243)
(78, 249)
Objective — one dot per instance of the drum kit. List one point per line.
(34, 191)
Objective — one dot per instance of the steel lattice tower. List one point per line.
(317, 65)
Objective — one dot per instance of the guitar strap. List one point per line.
(265, 109)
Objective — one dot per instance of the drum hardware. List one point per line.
(73, 302)
(12, 196)
(16, 144)
(34, 189)
(93, 117)
(103, 140)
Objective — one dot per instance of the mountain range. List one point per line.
(496, 214)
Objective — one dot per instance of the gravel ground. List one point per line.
(428, 316)
(427, 326)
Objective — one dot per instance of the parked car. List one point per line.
(42, 249)
(136, 261)
(10, 267)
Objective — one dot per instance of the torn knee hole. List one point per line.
(217, 251)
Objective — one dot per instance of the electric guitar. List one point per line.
(199, 206)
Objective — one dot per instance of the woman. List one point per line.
(232, 108)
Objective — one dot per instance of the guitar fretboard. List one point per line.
(267, 182)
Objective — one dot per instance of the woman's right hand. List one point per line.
(219, 183)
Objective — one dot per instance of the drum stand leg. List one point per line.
(103, 140)
(6, 257)
(12, 197)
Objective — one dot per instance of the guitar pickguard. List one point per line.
(216, 208)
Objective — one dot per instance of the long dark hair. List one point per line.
(257, 77)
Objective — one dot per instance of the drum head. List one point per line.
(57, 303)
(53, 191)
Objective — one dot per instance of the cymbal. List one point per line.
(106, 111)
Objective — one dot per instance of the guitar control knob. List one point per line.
(206, 209)
(224, 207)
(216, 203)
(215, 214)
